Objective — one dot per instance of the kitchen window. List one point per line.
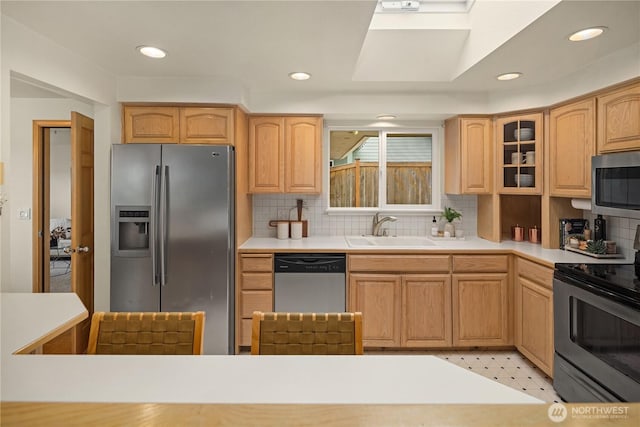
(384, 169)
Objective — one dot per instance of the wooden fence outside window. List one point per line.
(356, 184)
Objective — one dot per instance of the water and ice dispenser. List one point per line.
(134, 227)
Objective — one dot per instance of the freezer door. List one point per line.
(134, 180)
(198, 235)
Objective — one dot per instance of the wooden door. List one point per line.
(619, 120)
(82, 257)
(153, 125)
(535, 323)
(303, 154)
(477, 156)
(480, 309)
(572, 142)
(377, 296)
(203, 125)
(266, 155)
(426, 310)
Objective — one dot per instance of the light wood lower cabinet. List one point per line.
(480, 309)
(377, 296)
(480, 300)
(410, 310)
(405, 300)
(426, 311)
(534, 313)
(256, 291)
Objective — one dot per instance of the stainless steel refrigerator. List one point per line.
(172, 233)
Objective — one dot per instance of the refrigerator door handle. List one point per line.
(155, 206)
(163, 224)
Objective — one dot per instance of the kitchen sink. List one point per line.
(388, 241)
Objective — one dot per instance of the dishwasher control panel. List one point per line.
(309, 263)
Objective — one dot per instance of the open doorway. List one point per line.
(54, 219)
(63, 215)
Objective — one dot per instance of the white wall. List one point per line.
(36, 58)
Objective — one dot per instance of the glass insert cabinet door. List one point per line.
(364, 162)
(520, 154)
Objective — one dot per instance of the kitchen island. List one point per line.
(236, 390)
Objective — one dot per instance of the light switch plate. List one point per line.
(24, 214)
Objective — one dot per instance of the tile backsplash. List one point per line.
(620, 230)
(270, 207)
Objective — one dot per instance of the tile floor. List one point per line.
(506, 367)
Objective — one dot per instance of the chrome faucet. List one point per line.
(377, 222)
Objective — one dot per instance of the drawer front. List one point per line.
(399, 263)
(255, 301)
(259, 281)
(258, 262)
(480, 263)
(536, 273)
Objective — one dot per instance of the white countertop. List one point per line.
(27, 318)
(339, 244)
(376, 379)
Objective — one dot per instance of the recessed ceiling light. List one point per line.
(151, 52)
(385, 117)
(509, 76)
(586, 34)
(300, 75)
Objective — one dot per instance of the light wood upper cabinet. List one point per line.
(285, 154)
(178, 125)
(520, 157)
(534, 313)
(468, 156)
(572, 135)
(303, 154)
(619, 120)
(151, 124)
(201, 125)
(266, 155)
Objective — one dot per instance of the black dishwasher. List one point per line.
(310, 282)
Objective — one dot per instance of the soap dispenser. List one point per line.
(434, 227)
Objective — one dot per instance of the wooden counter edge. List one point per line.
(103, 414)
(28, 348)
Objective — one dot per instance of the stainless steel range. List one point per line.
(596, 332)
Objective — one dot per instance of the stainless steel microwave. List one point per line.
(615, 188)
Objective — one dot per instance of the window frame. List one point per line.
(437, 170)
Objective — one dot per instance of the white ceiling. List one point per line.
(343, 44)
